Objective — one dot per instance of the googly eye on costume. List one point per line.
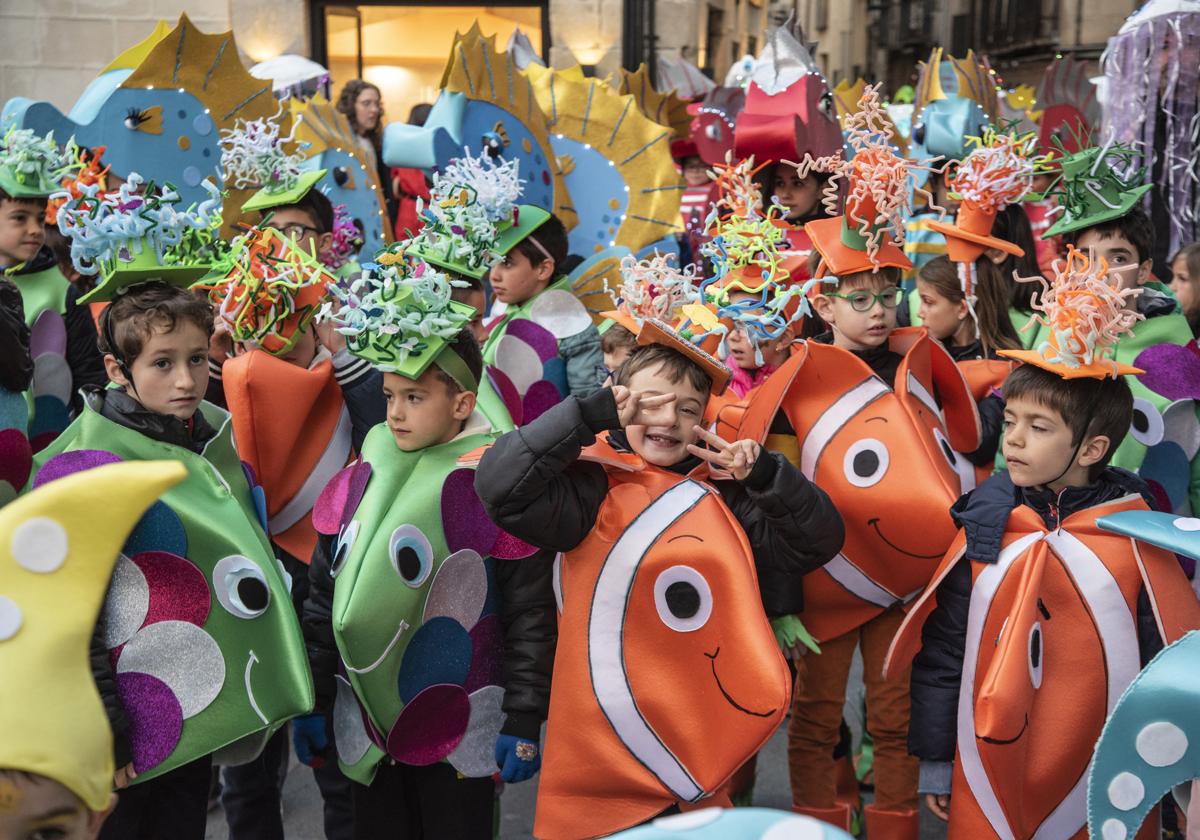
(866, 462)
(241, 587)
(411, 555)
(683, 599)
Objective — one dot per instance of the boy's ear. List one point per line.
(1145, 272)
(324, 240)
(823, 307)
(545, 271)
(464, 404)
(1093, 450)
(113, 369)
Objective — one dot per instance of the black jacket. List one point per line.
(983, 515)
(527, 616)
(120, 408)
(16, 365)
(534, 486)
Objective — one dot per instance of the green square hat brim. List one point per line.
(381, 357)
(1067, 225)
(120, 280)
(16, 189)
(530, 218)
(264, 199)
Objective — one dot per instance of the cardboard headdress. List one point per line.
(255, 156)
(870, 234)
(57, 556)
(400, 317)
(272, 291)
(32, 166)
(686, 339)
(1097, 185)
(130, 238)
(1085, 317)
(473, 219)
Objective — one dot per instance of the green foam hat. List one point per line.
(1090, 191)
(137, 265)
(451, 252)
(32, 166)
(270, 197)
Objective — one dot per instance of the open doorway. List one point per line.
(402, 48)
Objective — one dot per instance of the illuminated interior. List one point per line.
(404, 48)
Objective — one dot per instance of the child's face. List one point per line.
(477, 299)
(299, 225)
(940, 315)
(798, 195)
(670, 428)
(695, 173)
(941, 194)
(37, 808)
(1184, 287)
(515, 279)
(1038, 447)
(170, 375)
(423, 412)
(860, 330)
(304, 350)
(22, 231)
(741, 348)
(1124, 269)
(617, 357)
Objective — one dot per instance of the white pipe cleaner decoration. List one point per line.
(252, 153)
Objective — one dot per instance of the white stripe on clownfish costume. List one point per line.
(331, 462)
(833, 418)
(606, 652)
(1118, 637)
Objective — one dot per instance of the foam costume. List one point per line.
(734, 824)
(955, 99)
(32, 166)
(1151, 101)
(159, 107)
(1147, 746)
(409, 556)
(203, 639)
(290, 423)
(57, 558)
(1051, 623)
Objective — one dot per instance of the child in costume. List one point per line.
(822, 405)
(56, 760)
(198, 648)
(63, 333)
(1185, 283)
(431, 643)
(544, 345)
(296, 426)
(1037, 620)
(656, 584)
(16, 372)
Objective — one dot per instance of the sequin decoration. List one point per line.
(439, 653)
(183, 656)
(338, 501)
(178, 590)
(431, 726)
(459, 589)
(16, 458)
(475, 755)
(1172, 370)
(486, 643)
(72, 462)
(155, 719)
(464, 521)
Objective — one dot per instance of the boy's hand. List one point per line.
(630, 405)
(939, 804)
(220, 346)
(123, 776)
(330, 338)
(517, 758)
(737, 458)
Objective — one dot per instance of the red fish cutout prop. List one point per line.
(1051, 644)
(869, 447)
(667, 677)
(292, 427)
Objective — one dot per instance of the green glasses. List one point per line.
(865, 301)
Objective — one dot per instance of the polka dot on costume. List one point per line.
(191, 176)
(40, 545)
(184, 142)
(688, 821)
(182, 114)
(1113, 830)
(1187, 523)
(202, 125)
(1161, 744)
(10, 618)
(795, 828)
(1126, 791)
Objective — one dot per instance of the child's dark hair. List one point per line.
(467, 348)
(40, 203)
(128, 322)
(616, 337)
(996, 331)
(676, 367)
(551, 235)
(1134, 226)
(767, 183)
(1089, 407)
(1012, 225)
(317, 205)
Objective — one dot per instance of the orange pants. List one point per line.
(817, 715)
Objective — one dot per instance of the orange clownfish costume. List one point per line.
(290, 423)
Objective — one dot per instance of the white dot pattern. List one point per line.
(10, 618)
(1161, 744)
(39, 544)
(1126, 791)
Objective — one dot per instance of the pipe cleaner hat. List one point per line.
(999, 172)
(130, 238)
(56, 558)
(255, 157)
(1086, 317)
(472, 218)
(686, 339)
(870, 234)
(400, 317)
(1097, 185)
(90, 171)
(651, 288)
(271, 292)
(32, 166)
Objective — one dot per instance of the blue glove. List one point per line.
(517, 758)
(310, 740)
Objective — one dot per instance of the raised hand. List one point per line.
(631, 404)
(737, 458)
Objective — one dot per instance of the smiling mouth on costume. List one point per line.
(1000, 742)
(404, 625)
(874, 523)
(712, 658)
